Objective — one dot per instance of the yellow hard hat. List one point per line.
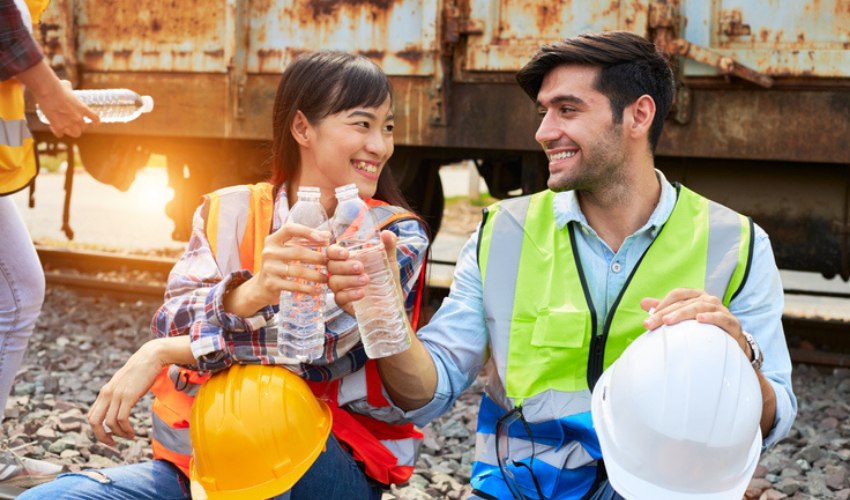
(255, 429)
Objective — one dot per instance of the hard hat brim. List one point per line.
(632, 487)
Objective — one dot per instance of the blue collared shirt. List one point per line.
(457, 336)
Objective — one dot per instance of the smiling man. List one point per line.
(554, 286)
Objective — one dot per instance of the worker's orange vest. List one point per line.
(388, 452)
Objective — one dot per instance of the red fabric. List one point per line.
(374, 388)
(362, 435)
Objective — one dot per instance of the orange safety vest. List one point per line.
(388, 452)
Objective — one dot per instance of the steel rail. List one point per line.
(55, 261)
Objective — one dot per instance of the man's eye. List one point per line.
(389, 128)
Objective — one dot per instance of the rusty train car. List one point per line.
(761, 121)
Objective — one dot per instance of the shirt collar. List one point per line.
(567, 208)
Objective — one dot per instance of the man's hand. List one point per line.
(684, 303)
(347, 276)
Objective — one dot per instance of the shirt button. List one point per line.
(616, 267)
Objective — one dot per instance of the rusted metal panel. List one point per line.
(515, 29)
(786, 125)
(186, 104)
(55, 35)
(154, 35)
(398, 35)
(776, 37)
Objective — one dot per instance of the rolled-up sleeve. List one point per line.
(456, 337)
(194, 303)
(759, 308)
(18, 50)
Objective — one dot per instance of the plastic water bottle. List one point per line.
(301, 319)
(111, 105)
(380, 313)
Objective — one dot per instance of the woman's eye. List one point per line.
(389, 128)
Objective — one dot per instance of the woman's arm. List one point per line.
(131, 382)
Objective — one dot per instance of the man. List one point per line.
(553, 287)
(21, 276)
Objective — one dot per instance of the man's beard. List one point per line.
(600, 165)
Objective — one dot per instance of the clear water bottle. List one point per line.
(380, 313)
(301, 319)
(111, 105)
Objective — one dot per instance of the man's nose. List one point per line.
(548, 130)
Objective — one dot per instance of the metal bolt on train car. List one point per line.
(761, 121)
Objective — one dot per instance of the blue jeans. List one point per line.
(605, 492)
(333, 475)
(21, 293)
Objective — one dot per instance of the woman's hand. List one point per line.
(64, 110)
(134, 379)
(280, 269)
(347, 277)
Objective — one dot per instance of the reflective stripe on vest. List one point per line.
(545, 348)
(377, 434)
(17, 150)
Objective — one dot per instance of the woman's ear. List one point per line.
(300, 129)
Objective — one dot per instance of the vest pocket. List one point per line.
(564, 329)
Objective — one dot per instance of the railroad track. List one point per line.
(63, 268)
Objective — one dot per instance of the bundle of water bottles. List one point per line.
(380, 314)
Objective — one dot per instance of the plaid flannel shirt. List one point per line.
(18, 50)
(193, 306)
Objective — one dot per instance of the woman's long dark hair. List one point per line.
(322, 84)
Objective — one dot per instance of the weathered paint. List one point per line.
(776, 37)
(398, 35)
(515, 29)
(55, 35)
(153, 35)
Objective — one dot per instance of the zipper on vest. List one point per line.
(596, 363)
(596, 353)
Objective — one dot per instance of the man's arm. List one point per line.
(445, 356)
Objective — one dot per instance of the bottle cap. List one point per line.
(346, 191)
(147, 104)
(308, 193)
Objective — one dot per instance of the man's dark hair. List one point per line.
(631, 66)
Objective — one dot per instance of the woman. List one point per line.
(332, 126)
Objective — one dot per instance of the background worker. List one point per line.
(21, 277)
(553, 287)
(332, 126)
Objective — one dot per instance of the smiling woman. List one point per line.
(332, 126)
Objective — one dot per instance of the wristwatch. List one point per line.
(758, 357)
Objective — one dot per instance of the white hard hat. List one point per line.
(678, 414)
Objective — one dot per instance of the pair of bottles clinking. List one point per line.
(380, 314)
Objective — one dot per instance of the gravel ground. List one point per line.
(80, 342)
